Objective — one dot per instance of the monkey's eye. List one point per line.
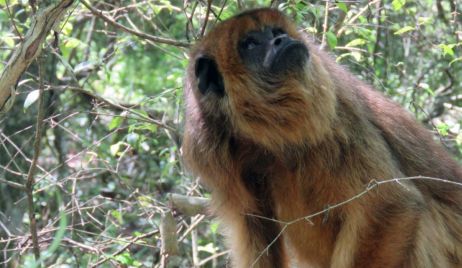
(277, 32)
(250, 43)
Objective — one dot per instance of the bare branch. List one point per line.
(142, 35)
(125, 247)
(168, 235)
(33, 166)
(189, 205)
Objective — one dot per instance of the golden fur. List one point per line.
(316, 140)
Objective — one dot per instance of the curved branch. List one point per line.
(29, 49)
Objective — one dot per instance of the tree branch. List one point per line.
(33, 166)
(29, 49)
(142, 35)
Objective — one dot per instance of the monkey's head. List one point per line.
(254, 77)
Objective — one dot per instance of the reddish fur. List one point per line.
(317, 140)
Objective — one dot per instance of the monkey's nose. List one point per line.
(284, 53)
(280, 40)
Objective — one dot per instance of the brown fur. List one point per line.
(317, 140)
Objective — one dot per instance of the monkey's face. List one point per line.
(270, 52)
(251, 77)
(258, 46)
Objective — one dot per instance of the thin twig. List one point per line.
(371, 185)
(122, 249)
(324, 26)
(206, 19)
(30, 175)
(142, 35)
(214, 256)
(355, 17)
(13, 184)
(120, 107)
(12, 20)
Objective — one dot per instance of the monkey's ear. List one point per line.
(209, 77)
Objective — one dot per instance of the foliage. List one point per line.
(110, 153)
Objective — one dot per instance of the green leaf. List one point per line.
(447, 49)
(356, 42)
(145, 126)
(214, 227)
(71, 42)
(66, 27)
(124, 258)
(355, 54)
(115, 122)
(343, 7)
(443, 129)
(115, 148)
(331, 39)
(31, 98)
(145, 201)
(398, 4)
(11, 3)
(118, 216)
(424, 20)
(312, 30)
(405, 29)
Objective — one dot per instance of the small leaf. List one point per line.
(11, 3)
(405, 29)
(331, 39)
(147, 126)
(343, 7)
(312, 30)
(447, 49)
(424, 20)
(398, 4)
(124, 258)
(443, 129)
(357, 55)
(31, 98)
(71, 42)
(356, 42)
(115, 122)
(115, 148)
(214, 227)
(117, 215)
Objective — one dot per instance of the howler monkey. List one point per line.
(278, 131)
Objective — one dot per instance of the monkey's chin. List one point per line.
(290, 58)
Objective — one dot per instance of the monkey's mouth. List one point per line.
(287, 57)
